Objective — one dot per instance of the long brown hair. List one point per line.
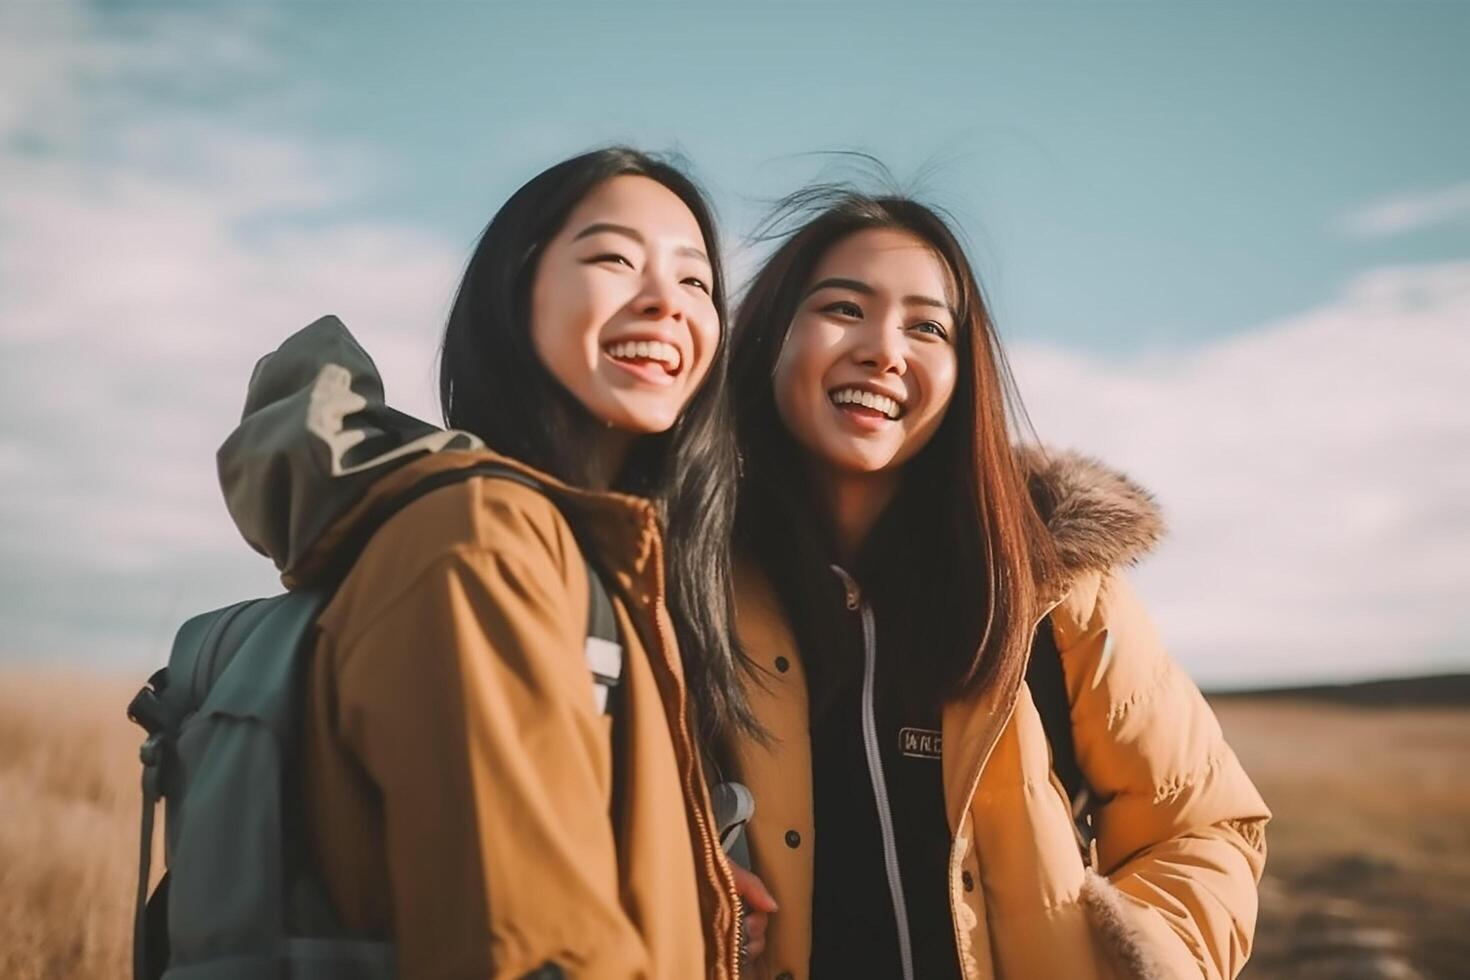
(953, 564)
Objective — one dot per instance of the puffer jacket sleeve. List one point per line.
(468, 703)
(1180, 827)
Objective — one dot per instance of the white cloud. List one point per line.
(1315, 472)
(150, 253)
(1401, 213)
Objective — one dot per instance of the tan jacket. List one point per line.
(457, 773)
(459, 777)
(1180, 832)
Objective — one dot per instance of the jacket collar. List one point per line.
(621, 530)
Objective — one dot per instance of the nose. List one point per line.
(882, 347)
(660, 297)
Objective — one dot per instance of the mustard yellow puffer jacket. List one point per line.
(1180, 828)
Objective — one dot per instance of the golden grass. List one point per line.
(1371, 837)
(69, 807)
(1389, 782)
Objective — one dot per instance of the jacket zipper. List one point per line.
(875, 772)
(712, 852)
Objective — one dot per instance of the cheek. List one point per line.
(562, 327)
(705, 333)
(940, 374)
(548, 316)
(545, 345)
(789, 379)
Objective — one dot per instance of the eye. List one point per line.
(697, 283)
(610, 257)
(844, 308)
(932, 327)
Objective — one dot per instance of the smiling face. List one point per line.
(621, 308)
(869, 363)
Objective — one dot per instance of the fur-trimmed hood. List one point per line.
(1098, 517)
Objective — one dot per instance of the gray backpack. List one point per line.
(241, 899)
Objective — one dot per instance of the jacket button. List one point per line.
(782, 664)
(793, 839)
(969, 881)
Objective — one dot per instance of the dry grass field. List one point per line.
(69, 805)
(1369, 867)
(1369, 873)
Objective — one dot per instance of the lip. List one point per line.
(860, 419)
(651, 373)
(857, 413)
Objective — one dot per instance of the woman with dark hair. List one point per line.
(474, 792)
(903, 564)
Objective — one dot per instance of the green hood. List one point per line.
(315, 436)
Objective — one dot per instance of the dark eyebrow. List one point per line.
(600, 227)
(929, 301)
(693, 253)
(858, 286)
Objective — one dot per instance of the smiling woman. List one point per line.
(944, 623)
(472, 794)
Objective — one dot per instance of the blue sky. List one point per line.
(1176, 170)
(1230, 248)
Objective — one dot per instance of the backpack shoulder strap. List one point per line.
(604, 652)
(1048, 684)
(603, 648)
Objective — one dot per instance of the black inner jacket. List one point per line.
(854, 933)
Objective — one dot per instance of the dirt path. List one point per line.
(1369, 868)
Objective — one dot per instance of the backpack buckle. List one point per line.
(150, 753)
(605, 659)
(146, 710)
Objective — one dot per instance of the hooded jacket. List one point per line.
(459, 778)
(1180, 843)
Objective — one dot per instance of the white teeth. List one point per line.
(867, 399)
(647, 350)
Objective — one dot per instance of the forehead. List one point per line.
(640, 203)
(889, 260)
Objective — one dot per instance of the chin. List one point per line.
(644, 421)
(857, 460)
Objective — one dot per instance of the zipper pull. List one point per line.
(854, 594)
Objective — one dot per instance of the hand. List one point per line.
(758, 904)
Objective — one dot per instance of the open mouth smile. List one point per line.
(864, 403)
(655, 361)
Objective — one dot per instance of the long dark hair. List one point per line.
(953, 563)
(492, 383)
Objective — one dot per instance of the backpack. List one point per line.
(240, 899)
(1048, 686)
